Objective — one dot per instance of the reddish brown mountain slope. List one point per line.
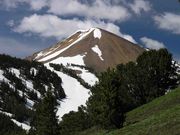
(95, 48)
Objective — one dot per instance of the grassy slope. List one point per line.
(159, 117)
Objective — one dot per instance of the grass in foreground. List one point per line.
(159, 117)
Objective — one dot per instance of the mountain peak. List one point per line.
(96, 31)
(95, 48)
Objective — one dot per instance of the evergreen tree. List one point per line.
(104, 106)
(74, 122)
(131, 85)
(155, 74)
(46, 122)
(7, 127)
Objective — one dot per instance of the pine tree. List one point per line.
(74, 122)
(104, 106)
(131, 85)
(156, 74)
(46, 122)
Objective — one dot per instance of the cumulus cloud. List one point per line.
(151, 43)
(168, 21)
(37, 4)
(94, 13)
(99, 9)
(139, 6)
(15, 48)
(128, 37)
(53, 26)
(113, 10)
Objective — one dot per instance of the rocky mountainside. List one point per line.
(94, 48)
(69, 69)
(78, 58)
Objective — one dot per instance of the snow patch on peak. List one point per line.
(78, 59)
(98, 51)
(81, 37)
(97, 33)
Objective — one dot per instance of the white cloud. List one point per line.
(129, 38)
(15, 48)
(53, 26)
(139, 6)
(10, 23)
(112, 10)
(37, 4)
(151, 43)
(99, 9)
(168, 21)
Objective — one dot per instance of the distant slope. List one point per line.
(159, 117)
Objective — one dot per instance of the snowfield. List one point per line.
(72, 60)
(88, 77)
(76, 94)
(81, 36)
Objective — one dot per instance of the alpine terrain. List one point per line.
(81, 57)
(94, 48)
(69, 69)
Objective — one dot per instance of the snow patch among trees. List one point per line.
(23, 125)
(76, 94)
(87, 76)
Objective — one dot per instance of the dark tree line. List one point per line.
(14, 92)
(131, 85)
(7, 127)
(45, 121)
(118, 91)
(124, 88)
(73, 122)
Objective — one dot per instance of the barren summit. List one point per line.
(95, 48)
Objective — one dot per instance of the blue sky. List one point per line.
(27, 26)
